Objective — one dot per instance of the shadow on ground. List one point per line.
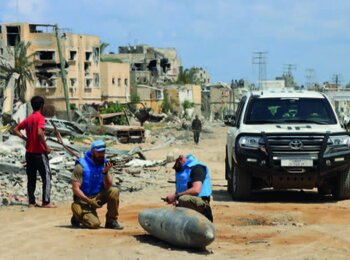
(270, 195)
(156, 242)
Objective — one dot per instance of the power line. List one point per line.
(310, 77)
(259, 58)
(337, 78)
(288, 68)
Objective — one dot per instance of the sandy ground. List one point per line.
(276, 224)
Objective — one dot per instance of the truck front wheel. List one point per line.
(241, 182)
(341, 190)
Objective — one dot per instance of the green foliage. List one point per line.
(23, 67)
(135, 99)
(114, 108)
(187, 104)
(103, 46)
(167, 104)
(187, 76)
(73, 106)
(111, 59)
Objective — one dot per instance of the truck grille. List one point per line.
(280, 146)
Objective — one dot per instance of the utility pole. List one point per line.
(288, 75)
(259, 58)
(288, 68)
(63, 72)
(310, 75)
(337, 80)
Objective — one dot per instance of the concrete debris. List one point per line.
(145, 163)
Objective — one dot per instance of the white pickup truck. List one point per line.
(287, 140)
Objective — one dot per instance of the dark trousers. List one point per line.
(196, 134)
(38, 162)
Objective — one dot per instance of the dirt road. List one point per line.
(276, 224)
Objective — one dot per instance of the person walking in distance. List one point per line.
(92, 188)
(37, 152)
(196, 128)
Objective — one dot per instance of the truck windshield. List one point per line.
(289, 110)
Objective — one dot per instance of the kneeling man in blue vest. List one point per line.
(92, 188)
(193, 187)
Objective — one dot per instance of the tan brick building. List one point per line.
(83, 67)
(115, 82)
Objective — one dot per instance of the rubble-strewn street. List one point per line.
(289, 224)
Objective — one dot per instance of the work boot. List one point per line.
(113, 225)
(74, 222)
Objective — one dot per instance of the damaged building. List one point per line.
(178, 94)
(201, 76)
(149, 66)
(88, 80)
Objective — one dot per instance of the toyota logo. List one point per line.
(296, 144)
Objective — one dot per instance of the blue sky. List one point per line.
(219, 35)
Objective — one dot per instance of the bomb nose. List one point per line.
(210, 235)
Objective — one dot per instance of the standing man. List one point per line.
(37, 152)
(92, 188)
(196, 128)
(193, 187)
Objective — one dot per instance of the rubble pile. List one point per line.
(132, 172)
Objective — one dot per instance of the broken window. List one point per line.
(96, 55)
(72, 55)
(1, 51)
(113, 81)
(88, 56)
(125, 82)
(119, 82)
(46, 55)
(165, 65)
(152, 66)
(88, 83)
(45, 80)
(35, 28)
(73, 82)
(159, 94)
(96, 80)
(86, 68)
(137, 66)
(13, 35)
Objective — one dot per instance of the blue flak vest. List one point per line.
(183, 177)
(92, 175)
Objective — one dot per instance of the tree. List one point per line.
(22, 66)
(187, 104)
(167, 104)
(187, 76)
(103, 46)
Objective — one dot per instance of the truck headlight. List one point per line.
(250, 142)
(340, 140)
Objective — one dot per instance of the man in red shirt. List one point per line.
(36, 152)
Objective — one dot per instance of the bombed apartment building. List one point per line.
(81, 57)
(149, 66)
(201, 76)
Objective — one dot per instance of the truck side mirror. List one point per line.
(230, 122)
